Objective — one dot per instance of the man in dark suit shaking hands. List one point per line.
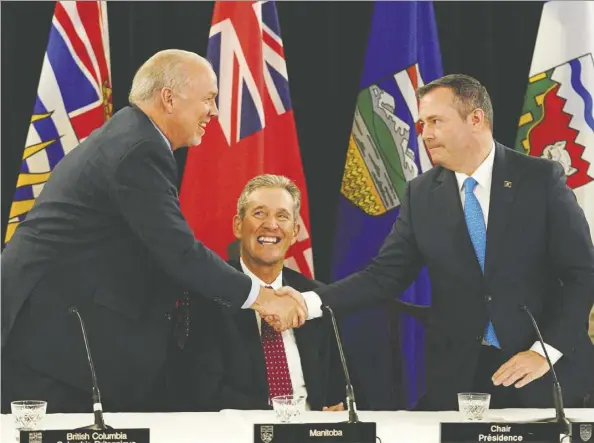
(234, 360)
(495, 229)
(106, 235)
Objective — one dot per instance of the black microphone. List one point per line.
(350, 393)
(557, 393)
(99, 424)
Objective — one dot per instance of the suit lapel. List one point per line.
(308, 339)
(248, 327)
(504, 185)
(449, 217)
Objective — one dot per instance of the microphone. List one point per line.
(557, 393)
(99, 424)
(350, 393)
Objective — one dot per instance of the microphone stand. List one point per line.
(557, 393)
(99, 424)
(350, 393)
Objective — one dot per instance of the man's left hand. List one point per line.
(521, 369)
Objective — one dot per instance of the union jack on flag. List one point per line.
(253, 73)
(73, 97)
(254, 133)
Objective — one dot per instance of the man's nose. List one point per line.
(427, 134)
(271, 222)
(214, 111)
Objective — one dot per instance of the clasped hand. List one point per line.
(283, 309)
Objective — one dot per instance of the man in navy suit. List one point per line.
(234, 360)
(496, 229)
(107, 235)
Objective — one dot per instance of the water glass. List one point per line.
(288, 407)
(28, 414)
(473, 405)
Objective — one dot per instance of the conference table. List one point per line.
(233, 426)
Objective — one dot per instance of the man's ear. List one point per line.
(296, 230)
(237, 226)
(166, 96)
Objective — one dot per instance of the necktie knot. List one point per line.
(469, 185)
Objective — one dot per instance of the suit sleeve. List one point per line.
(388, 275)
(572, 257)
(209, 389)
(144, 191)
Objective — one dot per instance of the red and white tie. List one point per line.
(277, 368)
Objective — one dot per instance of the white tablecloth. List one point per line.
(237, 426)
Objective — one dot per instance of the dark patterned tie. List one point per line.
(277, 368)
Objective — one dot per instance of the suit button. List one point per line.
(488, 297)
(168, 315)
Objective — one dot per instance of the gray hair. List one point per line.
(165, 69)
(269, 181)
(469, 94)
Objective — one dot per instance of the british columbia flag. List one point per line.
(73, 97)
(254, 133)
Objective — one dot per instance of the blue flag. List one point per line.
(385, 151)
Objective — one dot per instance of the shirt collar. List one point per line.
(276, 284)
(161, 132)
(483, 173)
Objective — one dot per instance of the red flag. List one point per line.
(254, 133)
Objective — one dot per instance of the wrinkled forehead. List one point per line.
(276, 199)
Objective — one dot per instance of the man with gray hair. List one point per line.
(106, 235)
(234, 360)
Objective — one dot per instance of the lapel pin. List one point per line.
(507, 184)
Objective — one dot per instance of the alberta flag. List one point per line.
(385, 151)
(557, 120)
(73, 97)
(254, 133)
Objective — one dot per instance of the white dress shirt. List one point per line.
(255, 289)
(483, 176)
(291, 349)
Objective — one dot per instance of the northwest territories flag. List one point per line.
(73, 97)
(557, 120)
(385, 151)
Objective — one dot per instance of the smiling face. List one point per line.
(195, 106)
(188, 108)
(268, 228)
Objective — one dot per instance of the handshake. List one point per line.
(283, 308)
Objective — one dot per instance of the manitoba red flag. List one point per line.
(254, 133)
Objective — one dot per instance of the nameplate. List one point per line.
(315, 432)
(482, 432)
(86, 436)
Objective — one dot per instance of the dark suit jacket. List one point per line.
(106, 234)
(539, 252)
(223, 363)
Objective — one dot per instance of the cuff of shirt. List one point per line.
(313, 303)
(554, 354)
(254, 292)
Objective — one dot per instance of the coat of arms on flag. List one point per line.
(557, 120)
(73, 97)
(380, 160)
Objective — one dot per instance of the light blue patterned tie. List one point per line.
(475, 222)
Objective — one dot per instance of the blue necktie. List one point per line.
(475, 222)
